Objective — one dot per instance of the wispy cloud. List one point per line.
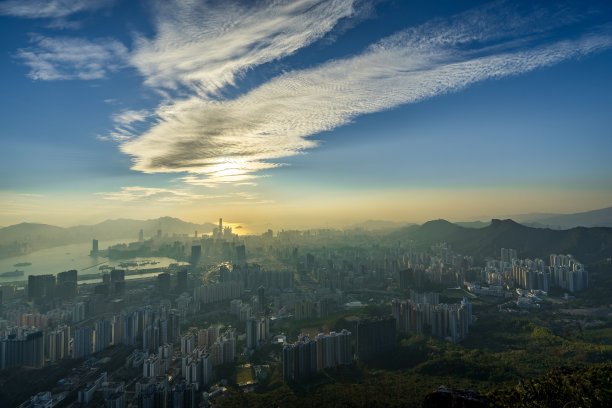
(50, 8)
(137, 193)
(128, 116)
(205, 46)
(214, 178)
(202, 48)
(230, 140)
(72, 58)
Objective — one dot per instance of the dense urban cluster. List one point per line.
(181, 331)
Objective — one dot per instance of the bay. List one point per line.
(73, 256)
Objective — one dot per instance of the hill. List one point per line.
(378, 225)
(589, 386)
(473, 224)
(29, 232)
(596, 218)
(27, 237)
(586, 244)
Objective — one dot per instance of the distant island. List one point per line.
(11, 274)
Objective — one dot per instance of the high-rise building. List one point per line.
(213, 334)
(240, 253)
(150, 338)
(163, 331)
(117, 282)
(216, 354)
(196, 254)
(130, 330)
(451, 320)
(252, 333)
(263, 331)
(83, 342)
(163, 283)
(151, 367)
(261, 297)
(181, 280)
(206, 367)
(78, 312)
(140, 236)
(405, 278)
(117, 326)
(103, 334)
(202, 338)
(229, 349)
(174, 319)
(67, 284)
(306, 357)
(183, 395)
(57, 344)
(508, 255)
(33, 352)
(94, 246)
(187, 344)
(41, 287)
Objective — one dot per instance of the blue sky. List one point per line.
(292, 113)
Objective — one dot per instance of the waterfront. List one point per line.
(74, 256)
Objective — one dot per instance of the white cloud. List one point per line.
(206, 45)
(214, 179)
(137, 193)
(228, 141)
(129, 116)
(203, 47)
(72, 58)
(50, 8)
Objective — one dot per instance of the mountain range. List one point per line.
(595, 218)
(28, 237)
(586, 235)
(585, 244)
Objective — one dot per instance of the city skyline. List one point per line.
(307, 113)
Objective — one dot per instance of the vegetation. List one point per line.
(588, 387)
(586, 244)
(501, 356)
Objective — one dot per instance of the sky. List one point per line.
(303, 114)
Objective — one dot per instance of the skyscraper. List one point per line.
(196, 253)
(306, 356)
(41, 287)
(117, 282)
(130, 330)
(181, 280)
(261, 297)
(83, 342)
(206, 367)
(252, 333)
(103, 335)
(67, 284)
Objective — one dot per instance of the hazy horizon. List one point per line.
(246, 228)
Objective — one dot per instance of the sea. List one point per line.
(76, 256)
